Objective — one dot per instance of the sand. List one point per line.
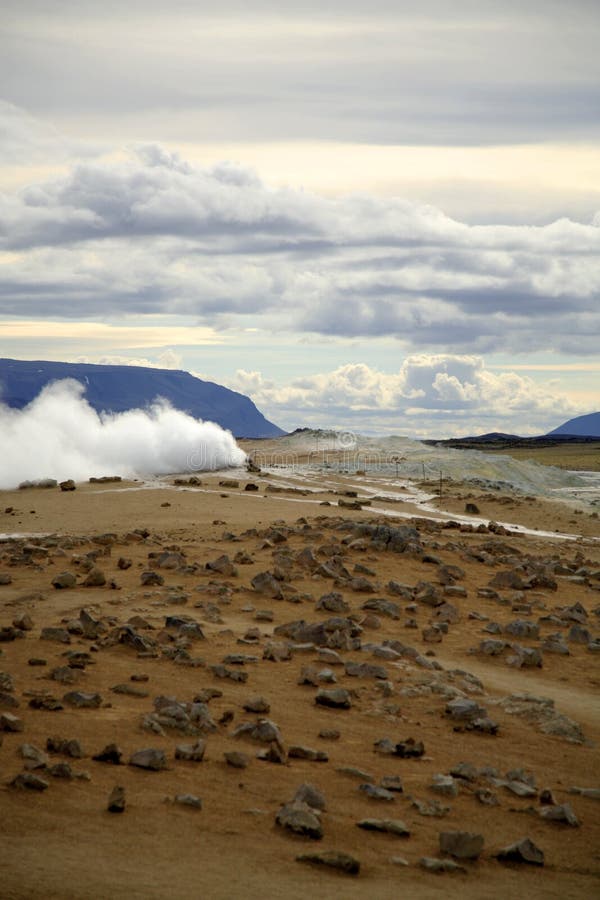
(63, 843)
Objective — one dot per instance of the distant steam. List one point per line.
(59, 435)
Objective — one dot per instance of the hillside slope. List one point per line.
(119, 388)
(581, 426)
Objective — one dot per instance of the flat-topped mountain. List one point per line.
(120, 388)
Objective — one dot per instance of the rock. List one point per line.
(408, 749)
(83, 699)
(593, 793)
(335, 698)
(560, 813)
(329, 734)
(61, 770)
(61, 635)
(264, 731)
(69, 747)
(392, 783)
(376, 793)
(266, 584)
(24, 622)
(7, 701)
(110, 754)
(333, 602)
(523, 851)
(444, 784)
(257, 705)
(432, 634)
(301, 819)
(129, 690)
(10, 722)
(430, 864)
(277, 651)
(332, 859)
(387, 826)
(223, 566)
(64, 580)
(461, 844)
(151, 579)
(95, 578)
(29, 781)
(311, 795)
(5, 578)
(464, 710)
(116, 800)
(33, 756)
(365, 670)
(431, 808)
(520, 788)
(188, 800)
(191, 752)
(236, 759)
(383, 607)
(297, 751)
(151, 759)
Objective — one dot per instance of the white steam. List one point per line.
(59, 435)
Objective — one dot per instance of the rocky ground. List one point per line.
(236, 689)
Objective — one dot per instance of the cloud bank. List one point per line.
(428, 396)
(60, 436)
(154, 235)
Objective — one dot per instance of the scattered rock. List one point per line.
(116, 800)
(523, 851)
(461, 844)
(333, 859)
(151, 759)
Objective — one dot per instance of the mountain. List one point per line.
(119, 388)
(581, 426)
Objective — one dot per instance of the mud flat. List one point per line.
(193, 655)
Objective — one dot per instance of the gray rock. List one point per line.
(332, 859)
(10, 722)
(61, 635)
(560, 813)
(33, 756)
(376, 793)
(236, 759)
(69, 747)
(461, 844)
(298, 751)
(83, 699)
(266, 584)
(95, 578)
(444, 784)
(116, 800)
(365, 670)
(191, 752)
(189, 800)
(593, 793)
(110, 754)
(387, 826)
(257, 705)
(392, 783)
(335, 698)
(29, 781)
(523, 851)
(360, 774)
(151, 759)
(310, 795)
(464, 710)
(431, 808)
(430, 864)
(301, 819)
(64, 580)
(277, 651)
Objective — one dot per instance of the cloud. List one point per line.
(439, 395)
(153, 234)
(59, 435)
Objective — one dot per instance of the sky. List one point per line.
(381, 217)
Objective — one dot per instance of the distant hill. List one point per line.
(581, 426)
(119, 388)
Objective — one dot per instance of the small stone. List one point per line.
(191, 752)
(188, 800)
(301, 819)
(523, 851)
(392, 783)
(461, 844)
(10, 722)
(116, 800)
(55, 634)
(83, 699)
(387, 826)
(110, 754)
(329, 734)
(311, 795)
(335, 698)
(431, 864)
(298, 751)
(151, 759)
(95, 578)
(29, 781)
(257, 705)
(560, 813)
(64, 580)
(444, 784)
(236, 759)
(376, 793)
(332, 859)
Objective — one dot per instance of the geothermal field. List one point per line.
(309, 676)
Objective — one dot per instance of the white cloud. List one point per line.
(439, 395)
